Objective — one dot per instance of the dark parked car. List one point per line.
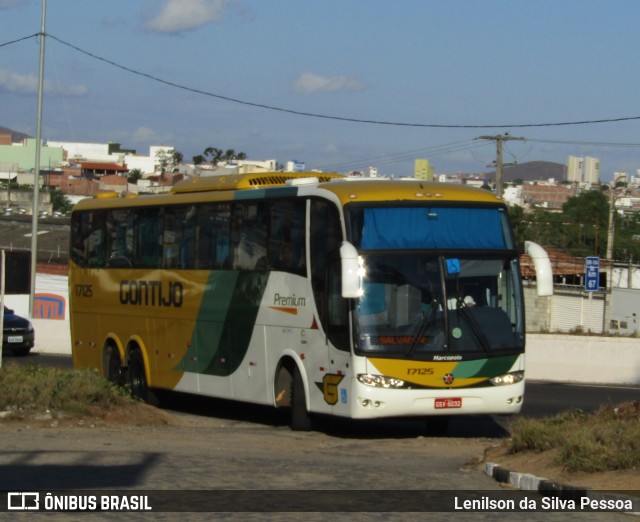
(18, 336)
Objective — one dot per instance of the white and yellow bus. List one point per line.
(356, 298)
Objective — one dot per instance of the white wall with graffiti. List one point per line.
(50, 313)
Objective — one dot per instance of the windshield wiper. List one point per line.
(424, 324)
(475, 328)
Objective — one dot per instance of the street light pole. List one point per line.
(36, 173)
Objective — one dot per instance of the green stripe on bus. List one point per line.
(225, 322)
(485, 367)
(278, 192)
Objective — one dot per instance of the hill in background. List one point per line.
(16, 137)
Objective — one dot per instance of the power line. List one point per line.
(597, 143)
(20, 39)
(326, 116)
(407, 155)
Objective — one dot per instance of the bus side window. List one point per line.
(120, 238)
(188, 242)
(222, 244)
(286, 236)
(248, 236)
(95, 239)
(148, 232)
(81, 228)
(170, 238)
(212, 235)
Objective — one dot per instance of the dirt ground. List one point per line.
(543, 464)
(540, 464)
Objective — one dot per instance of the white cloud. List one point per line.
(8, 4)
(28, 84)
(185, 15)
(309, 83)
(143, 135)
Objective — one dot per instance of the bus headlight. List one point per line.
(380, 381)
(507, 378)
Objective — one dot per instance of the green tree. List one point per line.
(60, 202)
(134, 176)
(591, 210)
(212, 155)
(215, 155)
(588, 207)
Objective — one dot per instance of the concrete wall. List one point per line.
(549, 357)
(586, 359)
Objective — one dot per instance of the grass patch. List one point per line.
(607, 440)
(29, 389)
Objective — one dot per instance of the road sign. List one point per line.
(592, 274)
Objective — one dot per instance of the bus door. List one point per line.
(331, 307)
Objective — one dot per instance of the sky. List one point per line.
(337, 84)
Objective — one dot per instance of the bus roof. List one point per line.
(377, 189)
(347, 190)
(248, 181)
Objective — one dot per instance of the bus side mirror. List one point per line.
(542, 264)
(350, 264)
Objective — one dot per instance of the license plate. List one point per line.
(452, 402)
(14, 339)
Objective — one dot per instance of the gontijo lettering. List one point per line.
(151, 293)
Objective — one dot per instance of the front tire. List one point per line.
(300, 417)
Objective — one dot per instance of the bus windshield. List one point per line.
(416, 306)
(436, 280)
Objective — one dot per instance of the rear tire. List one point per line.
(113, 366)
(136, 376)
(300, 417)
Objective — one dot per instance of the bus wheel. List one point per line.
(300, 417)
(112, 365)
(437, 426)
(136, 377)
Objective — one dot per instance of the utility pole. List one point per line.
(612, 210)
(499, 139)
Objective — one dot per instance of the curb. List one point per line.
(546, 487)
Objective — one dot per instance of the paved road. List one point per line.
(220, 445)
(213, 454)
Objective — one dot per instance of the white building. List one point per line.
(111, 153)
(513, 196)
(583, 170)
(575, 168)
(591, 170)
